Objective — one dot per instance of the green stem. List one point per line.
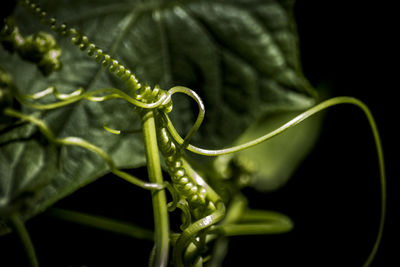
(26, 241)
(102, 223)
(160, 210)
(256, 222)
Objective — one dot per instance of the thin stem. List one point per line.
(252, 229)
(102, 223)
(161, 220)
(382, 172)
(76, 141)
(256, 222)
(94, 96)
(296, 120)
(26, 241)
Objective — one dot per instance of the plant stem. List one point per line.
(160, 211)
(19, 227)
(102, 223)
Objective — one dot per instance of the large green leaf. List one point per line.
(240, 56)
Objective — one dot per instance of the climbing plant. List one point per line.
(128, 84)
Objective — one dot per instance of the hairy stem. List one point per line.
(160, 210)
(26, 241)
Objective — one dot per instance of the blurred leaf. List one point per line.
(274, 161)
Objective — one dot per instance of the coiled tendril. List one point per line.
(84, 44)
(39, 48)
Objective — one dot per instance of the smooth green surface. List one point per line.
(239, 80)
(160, 211)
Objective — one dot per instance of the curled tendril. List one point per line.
(84, 44)
(76, 141)
(200, 116)
(186, 216)
(79, 94)
(211, 213)
(191, 232)
(39, 48)
(115, 131)
(175, 197)
(52, 90)
(162, 101)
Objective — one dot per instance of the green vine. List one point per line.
(206, 216)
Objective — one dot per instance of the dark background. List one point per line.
(334, 197)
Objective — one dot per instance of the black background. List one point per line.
(334, 197)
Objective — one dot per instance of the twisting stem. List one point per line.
(159, 199)
(26, 241)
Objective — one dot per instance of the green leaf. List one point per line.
(240, 56)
